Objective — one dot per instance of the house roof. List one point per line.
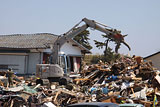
(30, 41)
(152, 55)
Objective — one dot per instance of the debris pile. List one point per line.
(129, 80)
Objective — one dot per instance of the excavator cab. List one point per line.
(53, 72)
(63, 62)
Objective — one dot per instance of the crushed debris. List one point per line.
(129, 80)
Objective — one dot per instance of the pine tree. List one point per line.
(109, 55)
(83, 39)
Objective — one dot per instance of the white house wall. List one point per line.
(16, 62)
(34, 58)
(67, 48)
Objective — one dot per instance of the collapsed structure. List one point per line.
(129, 80)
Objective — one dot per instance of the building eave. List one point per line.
(83, 49)
(151, 55)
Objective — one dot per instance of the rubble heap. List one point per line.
(129, 80)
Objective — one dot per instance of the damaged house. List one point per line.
(22, 52)
(155, 58)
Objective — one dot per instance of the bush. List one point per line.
(94, 59)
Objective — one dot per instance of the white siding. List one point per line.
(67, 48)
(155, 60)
(34, 58)
(16, 62)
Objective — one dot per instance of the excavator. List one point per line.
(54, 71)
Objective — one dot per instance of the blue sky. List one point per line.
(140, 19)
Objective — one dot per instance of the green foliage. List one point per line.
(95, 59)
(99, 45)
(109, 58)
(87, 58)
(83, 39)
(109, 55)
(115, 37)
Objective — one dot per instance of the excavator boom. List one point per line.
(113, 35)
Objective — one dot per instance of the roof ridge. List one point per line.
(29, 34)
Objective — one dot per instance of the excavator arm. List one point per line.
(113, 35)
